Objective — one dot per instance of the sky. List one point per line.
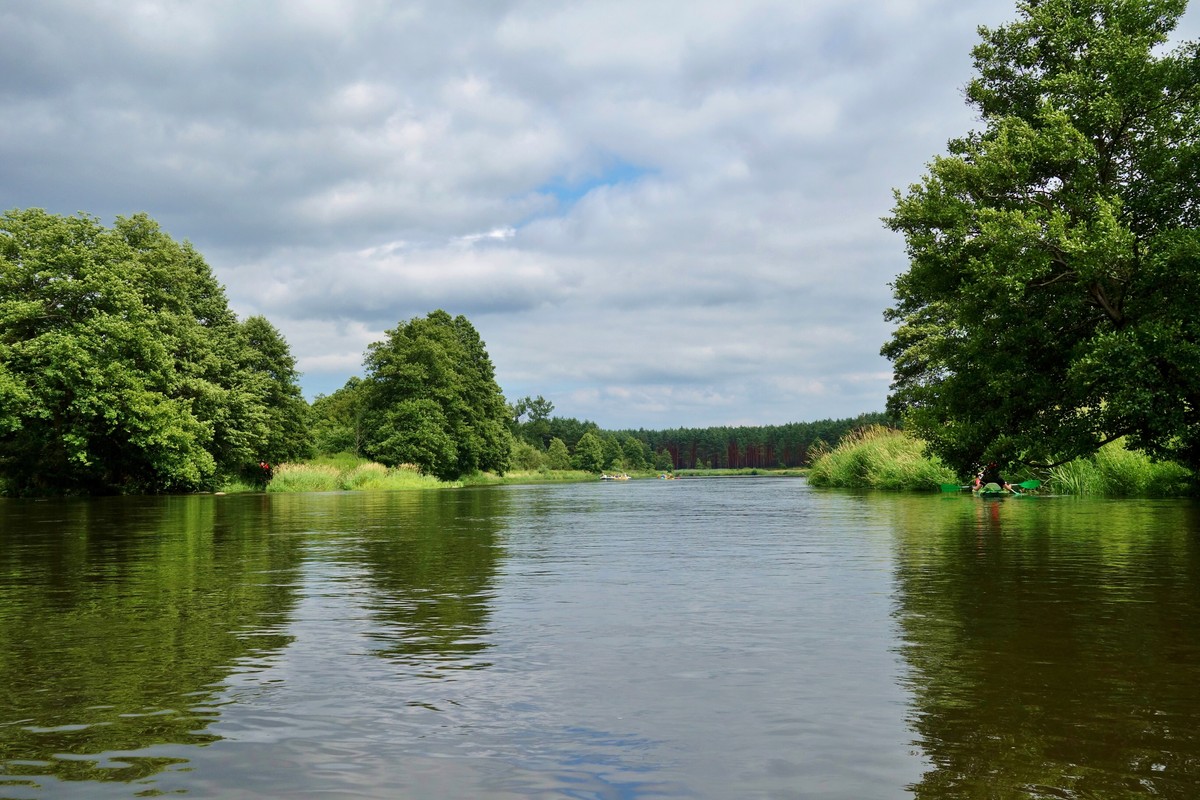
(656, 213)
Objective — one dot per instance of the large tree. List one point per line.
(1050, 303)
(122, 368)
(433, 399)
(273, 369)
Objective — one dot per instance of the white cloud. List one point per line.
(655, 214)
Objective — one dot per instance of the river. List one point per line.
(704, 638)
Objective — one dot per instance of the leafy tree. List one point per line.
(338, 420)
(433, 401)
(633, 452)
(557, 456)
(663, 461)
(614, 456)
(589, 453)
(288, 416)
(1049, 305)
(122, 368)
(535, 413)
(527, 457)
(570, 430)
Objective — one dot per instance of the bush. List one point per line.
(526, 457)
(1116, 471)
(877, 457)
(305, 478)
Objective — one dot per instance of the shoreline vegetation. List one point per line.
(877, 457)
(349, 473)
(873, 457)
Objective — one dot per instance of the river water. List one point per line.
(706, 638)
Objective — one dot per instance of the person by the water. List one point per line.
(990, 474)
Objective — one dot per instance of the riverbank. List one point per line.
(334, 475)
(884, 458)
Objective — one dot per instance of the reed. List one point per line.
(1117, 471)
(877, 457)
(305, 478)
(357, 475)
(518, 477)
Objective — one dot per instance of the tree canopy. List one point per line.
(432, 399)
(1050, 302)
(122, 368)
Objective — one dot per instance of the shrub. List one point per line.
(879, 458)
(1116, 471)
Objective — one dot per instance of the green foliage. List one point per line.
(663, 461)
(525, 477)
(122, 368)
(527, 457)
(633, 453)
(879, 458)
(531, 420)
(557, 456)
(589, 453)
(746, 447)
(1054, 272)
(431, 399)
(364, 476)
(273, 368)
(1116, 471)
(338, 420)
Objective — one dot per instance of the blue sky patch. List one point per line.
(568, 192)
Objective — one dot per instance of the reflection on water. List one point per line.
(1053, 646)
(694, 639)
(119, 620)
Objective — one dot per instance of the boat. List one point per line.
(994, 489)
(620, 477)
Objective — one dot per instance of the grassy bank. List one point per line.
(744, 471)
(882, 458)
(879, 458)
(341, 473)
(366, 476)
(519, 477)
(1116, 471)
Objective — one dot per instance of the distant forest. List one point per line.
(765, 446)
(722, 447)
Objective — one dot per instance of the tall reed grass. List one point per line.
(877, 457)
(1116, 471)
(521, 476)
(363, 476)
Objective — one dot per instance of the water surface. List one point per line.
(732, 638)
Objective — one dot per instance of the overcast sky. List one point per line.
(657, 213)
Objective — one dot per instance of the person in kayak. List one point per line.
(990, 474)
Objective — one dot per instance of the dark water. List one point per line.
(736, 638)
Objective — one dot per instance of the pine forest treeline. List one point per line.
(717, 447)
(758, 447)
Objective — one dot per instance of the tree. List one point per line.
(1049, 305)
(634, 453)
(122, 368)
(433, 401)
(557, 456)
(338, 420)
(288, 416)
(535, 413)
(589, 453)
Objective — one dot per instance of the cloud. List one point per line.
(655, 214)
